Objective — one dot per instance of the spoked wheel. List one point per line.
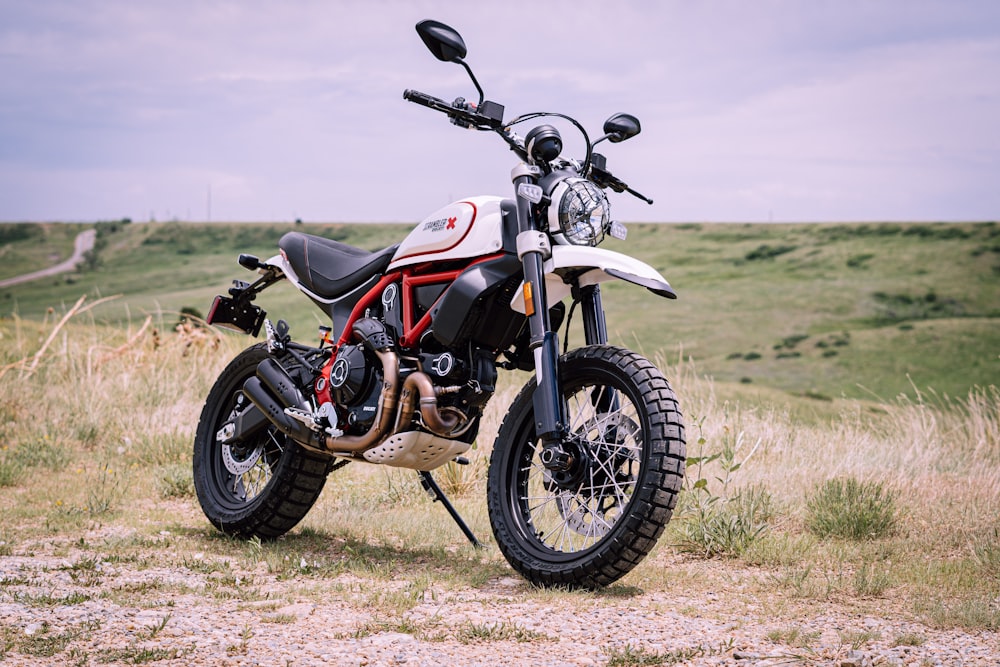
(262, 486)
(607, 465)
(589, 525)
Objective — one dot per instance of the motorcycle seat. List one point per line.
(329, 268)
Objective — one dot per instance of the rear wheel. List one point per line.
(263, 486)
(590, 525)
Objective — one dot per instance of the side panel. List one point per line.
(464, 229)
(475, 306)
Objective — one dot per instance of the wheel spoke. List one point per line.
(545, 500)
(584, 523)
(610, 441)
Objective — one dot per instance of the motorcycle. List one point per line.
(588, 462)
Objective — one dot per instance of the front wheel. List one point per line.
(589, 526)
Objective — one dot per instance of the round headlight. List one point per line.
(579, 212)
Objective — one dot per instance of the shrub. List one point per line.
(176, 481)
(765, 251)
(722, 523)
(13, 232)
(898, 307)
(37, 453)
(851, 509)
(192, 316)
(789, 342)
(859, 261)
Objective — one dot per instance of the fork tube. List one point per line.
(595, 331)
(533, 249)
(595, 328)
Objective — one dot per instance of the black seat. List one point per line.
(330, 268)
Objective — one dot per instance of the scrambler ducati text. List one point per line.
(586, 467)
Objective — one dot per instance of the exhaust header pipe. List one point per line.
(273, 390)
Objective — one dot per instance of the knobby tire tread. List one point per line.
(650, 509)
(298, 476)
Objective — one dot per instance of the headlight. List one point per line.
(579, 213)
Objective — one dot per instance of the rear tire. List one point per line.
(263, 487)
(589, 527)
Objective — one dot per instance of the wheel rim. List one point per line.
(242, 472)
(605, 430)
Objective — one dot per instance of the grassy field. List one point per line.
(826, 311)
(839, 384)
(96, 430)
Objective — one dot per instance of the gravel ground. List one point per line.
(61, 605)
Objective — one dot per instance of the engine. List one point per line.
(355, 382)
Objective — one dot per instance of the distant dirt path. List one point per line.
(84, 242)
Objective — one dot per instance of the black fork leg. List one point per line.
(595, 329)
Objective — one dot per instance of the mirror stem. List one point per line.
(475, 82)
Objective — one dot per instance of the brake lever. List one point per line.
(638, 195)
(600, 175)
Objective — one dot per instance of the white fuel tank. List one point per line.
(463, 229)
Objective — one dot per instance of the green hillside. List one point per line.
(820, 310)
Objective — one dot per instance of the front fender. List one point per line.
(593, 266)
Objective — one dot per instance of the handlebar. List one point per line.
(483, 118)
(426, 100)
(605, 179)
(489, 116)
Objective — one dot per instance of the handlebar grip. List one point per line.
(424, 99)
(462, 117)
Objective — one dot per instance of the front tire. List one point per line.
(265, 485)
(591, 525)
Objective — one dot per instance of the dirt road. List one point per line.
(84, 242)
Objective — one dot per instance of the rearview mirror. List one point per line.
(442, 40)
(620, 127)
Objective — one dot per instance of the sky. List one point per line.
(772, 110)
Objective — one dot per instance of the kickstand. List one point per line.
(436, 494)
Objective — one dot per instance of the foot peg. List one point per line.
(313, 421)
(304, 417)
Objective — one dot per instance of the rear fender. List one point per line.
(592, 267)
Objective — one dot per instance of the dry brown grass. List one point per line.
(110, 413)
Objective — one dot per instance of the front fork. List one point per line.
(533, 248)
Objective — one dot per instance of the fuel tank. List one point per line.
(461, 230)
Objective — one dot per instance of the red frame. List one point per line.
(412, 277)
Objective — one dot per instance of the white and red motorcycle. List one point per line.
(586, 467)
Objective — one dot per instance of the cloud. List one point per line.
(847, 110)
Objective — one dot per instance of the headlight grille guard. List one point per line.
(579, 213)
